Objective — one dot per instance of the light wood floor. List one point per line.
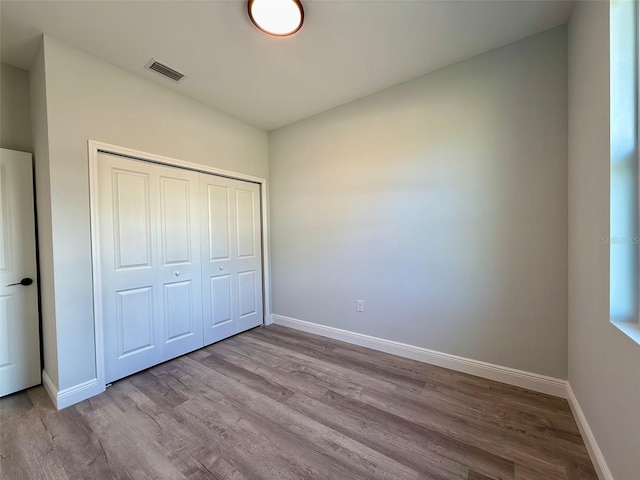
(274, 403)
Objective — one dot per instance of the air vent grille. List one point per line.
(162, 69)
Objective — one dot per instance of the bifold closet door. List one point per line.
(150, 262)
(232, 257)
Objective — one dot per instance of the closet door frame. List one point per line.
(94, 149)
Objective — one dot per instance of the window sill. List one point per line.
(630, 329)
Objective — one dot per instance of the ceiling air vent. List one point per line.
(162, 69)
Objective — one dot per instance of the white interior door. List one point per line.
(232, 257)
(19, 328)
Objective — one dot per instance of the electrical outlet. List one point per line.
(360, 305)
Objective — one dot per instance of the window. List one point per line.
(624, 291)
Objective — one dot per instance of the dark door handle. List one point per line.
(25, 282)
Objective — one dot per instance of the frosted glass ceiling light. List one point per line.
(280, 18)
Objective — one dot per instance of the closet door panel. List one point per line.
(178, 310)
(245, 222)
(176, 221)
(247, 293)
(248, 255)
(132, 218)
(179, 271)
(221, 311)
(135, 320)
(233, 267)
(127, 229)
(217, 222)
(218, 239)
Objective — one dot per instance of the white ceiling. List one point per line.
(344, 51)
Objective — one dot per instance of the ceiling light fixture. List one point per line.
(279, 18)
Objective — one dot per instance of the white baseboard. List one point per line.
(599, 463)
(72, 395)
(511, 376)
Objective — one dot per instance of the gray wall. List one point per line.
(87, 98)
(604, 364)
(15, 122)
(442, 203)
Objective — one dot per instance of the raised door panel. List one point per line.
(176, 221)
(245, 223)
(247, 293)
(135, 321)
(221, 311)
(178, 310)
(132, 218)
(180, 271)
(217, 222)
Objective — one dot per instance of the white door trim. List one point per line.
(95, 148)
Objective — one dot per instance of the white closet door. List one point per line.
(129, 263)
(179, 267)
(232, 257)
(181, 261)
(150, 261)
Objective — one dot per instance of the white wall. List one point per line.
(604, 364)
(15, 123)
(87, 98)
(442, 203)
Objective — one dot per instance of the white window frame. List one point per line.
(627, 322)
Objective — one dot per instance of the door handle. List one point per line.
(25, 282)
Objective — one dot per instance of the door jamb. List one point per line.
(96, 148)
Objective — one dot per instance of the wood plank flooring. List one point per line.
(275, 403)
